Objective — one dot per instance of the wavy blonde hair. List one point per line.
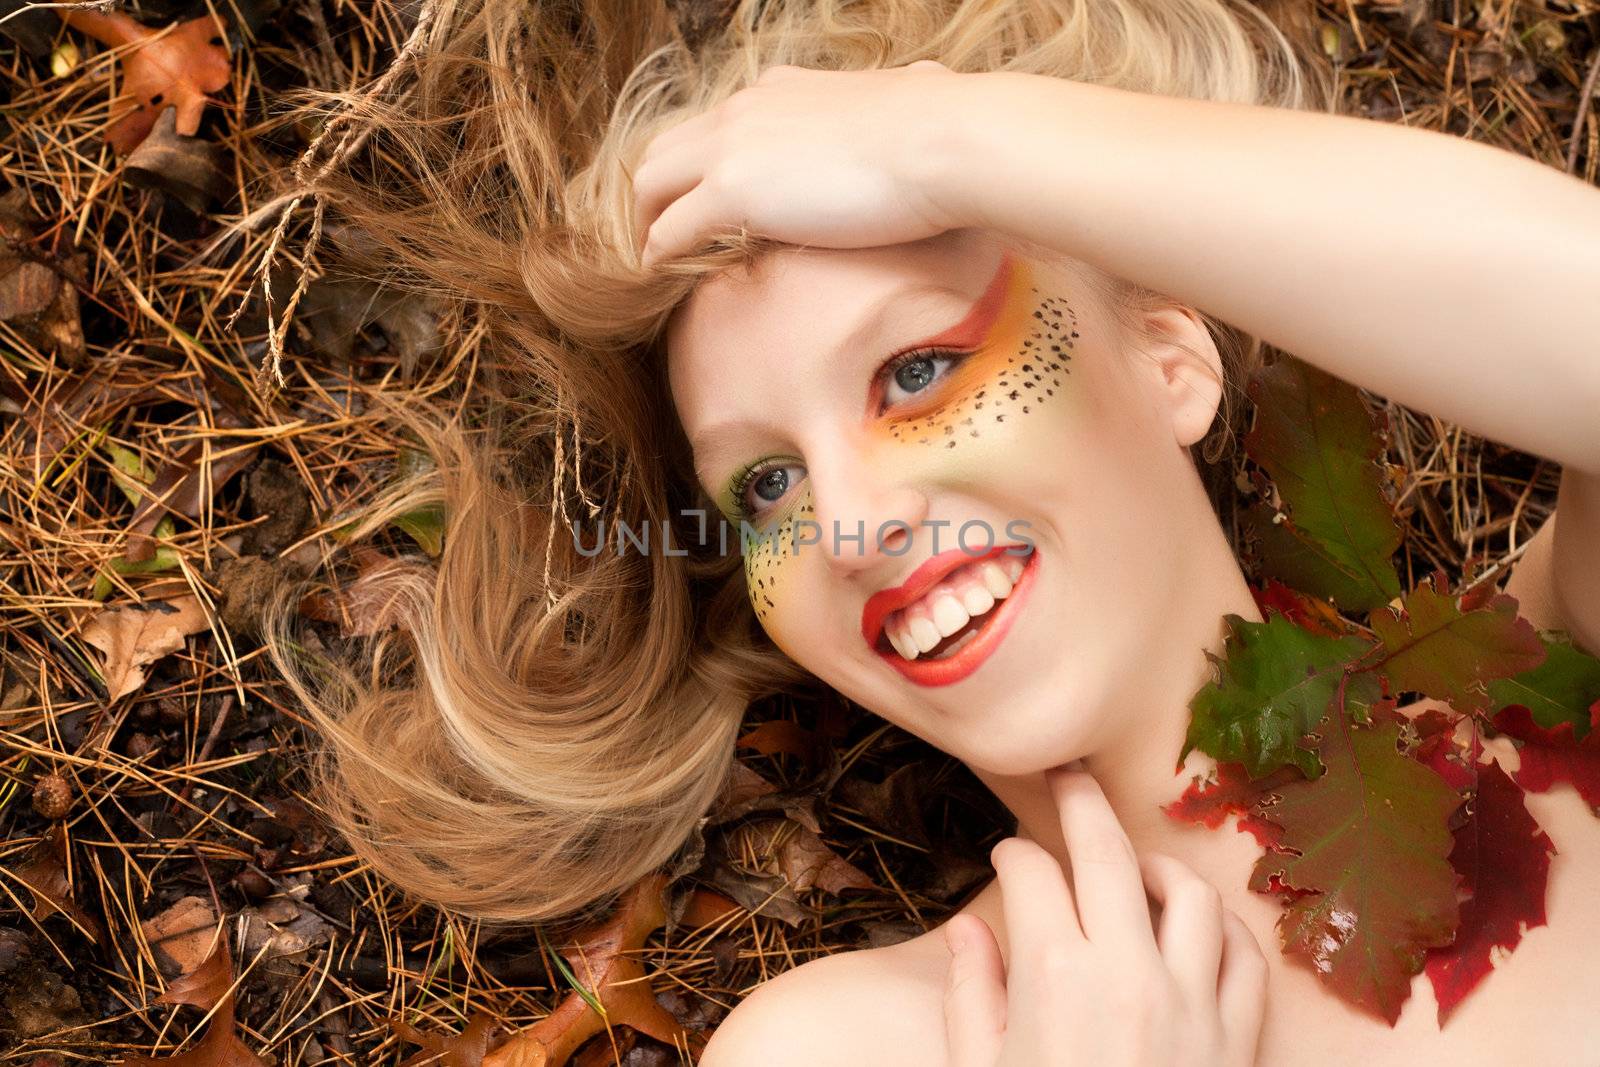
(543, 729)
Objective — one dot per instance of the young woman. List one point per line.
(970, 310)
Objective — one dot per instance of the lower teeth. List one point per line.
(961, 642)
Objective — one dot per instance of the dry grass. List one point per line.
(192, 786)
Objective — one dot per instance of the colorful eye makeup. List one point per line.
(981, 378)
(1019, 366)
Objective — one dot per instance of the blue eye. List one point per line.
(758, 487)
(913, 372)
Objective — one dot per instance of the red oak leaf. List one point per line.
(1232, 792)
(175, 67)
(1318, 616)
(1369, 841)
(1504, 859)
(1552, 756)
(1450, 649)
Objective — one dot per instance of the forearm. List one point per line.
(1457, 278)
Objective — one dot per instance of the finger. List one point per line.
(975, 993)
(660, 180)
(1190, 936)
(1241, 989)
(691, 129)
(676, 229)
(1036, 898)
(1105, 874)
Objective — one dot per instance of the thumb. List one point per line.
(974, 993)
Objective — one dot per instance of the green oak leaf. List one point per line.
(1448, 650)
(1366, 847)
(1275, 683)
(1315, 438)
(1561, 689)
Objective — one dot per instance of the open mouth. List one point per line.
(951, 614)
(943, 633)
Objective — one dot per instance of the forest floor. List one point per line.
(152, 782)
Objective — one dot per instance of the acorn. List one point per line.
(52, 796)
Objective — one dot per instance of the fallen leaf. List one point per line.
(38, 290)
(1316, 439)
(182, 488)
(191, 169)
(1368, 842)
(209, 986)
(704, 908)
(1549, 757)
(45, 877)
(1504, 859)
(465, 1049)
(181, 937)
(601, 962)
(897, 805)
(133, 636)
(1275, 682)
(88, 401)
(173, 68)
(1449, 648)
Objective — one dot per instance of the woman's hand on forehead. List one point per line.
(833, 159)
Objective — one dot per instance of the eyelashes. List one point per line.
(888, 391)
(889, 373)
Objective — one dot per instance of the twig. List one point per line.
(347, 147)
(1585, 98)
(101, 6)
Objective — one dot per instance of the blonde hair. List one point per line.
(544, 728)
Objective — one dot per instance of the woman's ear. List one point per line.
(1185, 367)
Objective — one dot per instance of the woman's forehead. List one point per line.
(812, 300)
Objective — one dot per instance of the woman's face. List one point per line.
(967, 490)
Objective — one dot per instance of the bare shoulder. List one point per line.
(880, 1006)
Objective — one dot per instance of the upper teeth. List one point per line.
(962, 595)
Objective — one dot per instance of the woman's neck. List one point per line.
(1137, 766)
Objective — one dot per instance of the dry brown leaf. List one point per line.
(783, 846)
(210, 985)
(207, 985)
(601, 964)
(181, 936)
(45, 876)
(38, 297)
(465, 1049)
(781, 735)
(706, 907)
(91, 399)
(135, 635)
(160, 70)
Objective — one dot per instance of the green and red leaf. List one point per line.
(1564, 688)
(1450, 648)
(1316, 439)
(1368, 843)
(1550, 757)
(1274, 686)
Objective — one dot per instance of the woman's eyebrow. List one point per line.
(975, 326)
(968, 333)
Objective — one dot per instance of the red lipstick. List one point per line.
(971, 655)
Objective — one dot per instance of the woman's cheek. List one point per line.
(1005, 404)
(772, 562)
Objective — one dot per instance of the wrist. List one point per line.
(978, 153)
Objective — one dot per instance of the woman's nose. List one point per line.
(865, 520)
